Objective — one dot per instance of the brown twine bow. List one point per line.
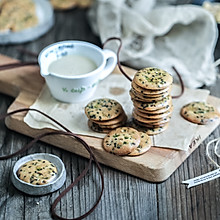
(67, 132)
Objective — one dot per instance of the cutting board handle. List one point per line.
(14, 81)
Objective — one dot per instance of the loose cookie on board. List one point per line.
(199, 113)
(144, 145)
(103, 109)
(153, 78)
(122, 141)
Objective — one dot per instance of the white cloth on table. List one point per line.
(163, 36)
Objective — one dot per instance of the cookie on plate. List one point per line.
(199, 113)
(122, 141)
(17, 15)
(37, 172)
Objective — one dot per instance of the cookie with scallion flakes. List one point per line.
(154, 105)
(150, 121)
(158, 130)
(37, 172)
(199, 113)
(154, 116)
(122, 141)
(103, 109)
(144, 145)
(149, 92)
(153, 78)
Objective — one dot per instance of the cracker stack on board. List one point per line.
(151, 98)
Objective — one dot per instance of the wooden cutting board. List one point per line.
(25, 84)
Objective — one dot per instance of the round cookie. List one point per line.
(150, 125)
(103, 109)
(156, 112)
(120, 118)
(63, 4)
(153, 78)
(151, 121)
(121, 141)
(199, 113)
(144, 145)
(95, 127)
(152, 93)
(144, 98)
(98, 126)
(37, 172)
(154, 116)
(151, 106)
(158, 130)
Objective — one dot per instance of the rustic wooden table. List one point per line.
(125, 196)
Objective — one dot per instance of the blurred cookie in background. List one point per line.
(69, 4)
(17, 15)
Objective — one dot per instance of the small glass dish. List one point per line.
(37, 190)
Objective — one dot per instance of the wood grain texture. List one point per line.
(125, 197)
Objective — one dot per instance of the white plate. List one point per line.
(37, 190)
(45, 16)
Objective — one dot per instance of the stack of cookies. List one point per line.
(104, 115)
(127, 141)
(151, 98)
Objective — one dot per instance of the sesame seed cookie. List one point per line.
(120, 118)
(156, 112)
(103, 109)
(151, 106)
(143, 91)
(144, 98)
(153, 78)
(150, 125)
(158, 130)
(151, 121)
(199, 113)
(37, 172)
(63, 4)
(95, 127)
(144, 145)
(154, 116)
(122, 141)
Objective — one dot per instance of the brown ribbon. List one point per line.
(67, 132)
(129, 78)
